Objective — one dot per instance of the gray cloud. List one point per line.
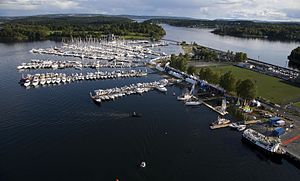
(211, 9)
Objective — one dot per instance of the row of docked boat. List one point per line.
(57, 78)
(101, 95)
(51, 64)
(103, 50)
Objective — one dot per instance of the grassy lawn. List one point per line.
(297, 104)
(267, 87)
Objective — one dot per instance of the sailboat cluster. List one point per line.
(101, 95)
(104, 50)
(57, 78)
(52, 64)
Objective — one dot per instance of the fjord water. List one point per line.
(58, 133)
(274, 52)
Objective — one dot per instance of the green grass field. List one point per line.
(297, 104)
(267, 87)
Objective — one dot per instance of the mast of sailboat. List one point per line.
(192, 90)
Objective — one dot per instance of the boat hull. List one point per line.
(261, 149)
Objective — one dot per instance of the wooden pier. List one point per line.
(214, 109)
(219, 126)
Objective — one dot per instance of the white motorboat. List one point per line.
(241, 127)
(27, 83)
(233, 125)
(54, 66)
(161, 88)
(58, 79)
(43, 81)
(48, 80)
(184, 97)
(192, 103)
(35, 81)
(53, 80)
(140, 90)
(64, 79)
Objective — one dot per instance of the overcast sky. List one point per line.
(208, 9)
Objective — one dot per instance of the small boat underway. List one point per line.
(134, 114)
(143, 165)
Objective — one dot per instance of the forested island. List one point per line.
(282, 31)
(36, 28)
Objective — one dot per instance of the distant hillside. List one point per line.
(283, 31)
(55, 27)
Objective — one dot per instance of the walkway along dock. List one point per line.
(223, 113)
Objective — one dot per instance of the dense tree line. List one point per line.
(243, 88)
(179, 62)
(240, 57)
(247, 29)
(294, 57)
(205, 54)
(43, 27)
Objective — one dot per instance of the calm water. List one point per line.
(58, 133)
(274, 52)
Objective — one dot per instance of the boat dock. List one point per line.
(57, 78)
(219, 126)
(53, 64)
(101, 95)
(223, 113)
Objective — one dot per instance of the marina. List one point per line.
(165, 127)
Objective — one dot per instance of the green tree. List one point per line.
(208, 75)
(240, 57)
(227, 81)
(215, 78)
(295, 56)
(246, 89)
(191, 70)
(179, 62)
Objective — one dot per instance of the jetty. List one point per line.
(43, 79)
(101, 95)
(219, 126)
(54, 64)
